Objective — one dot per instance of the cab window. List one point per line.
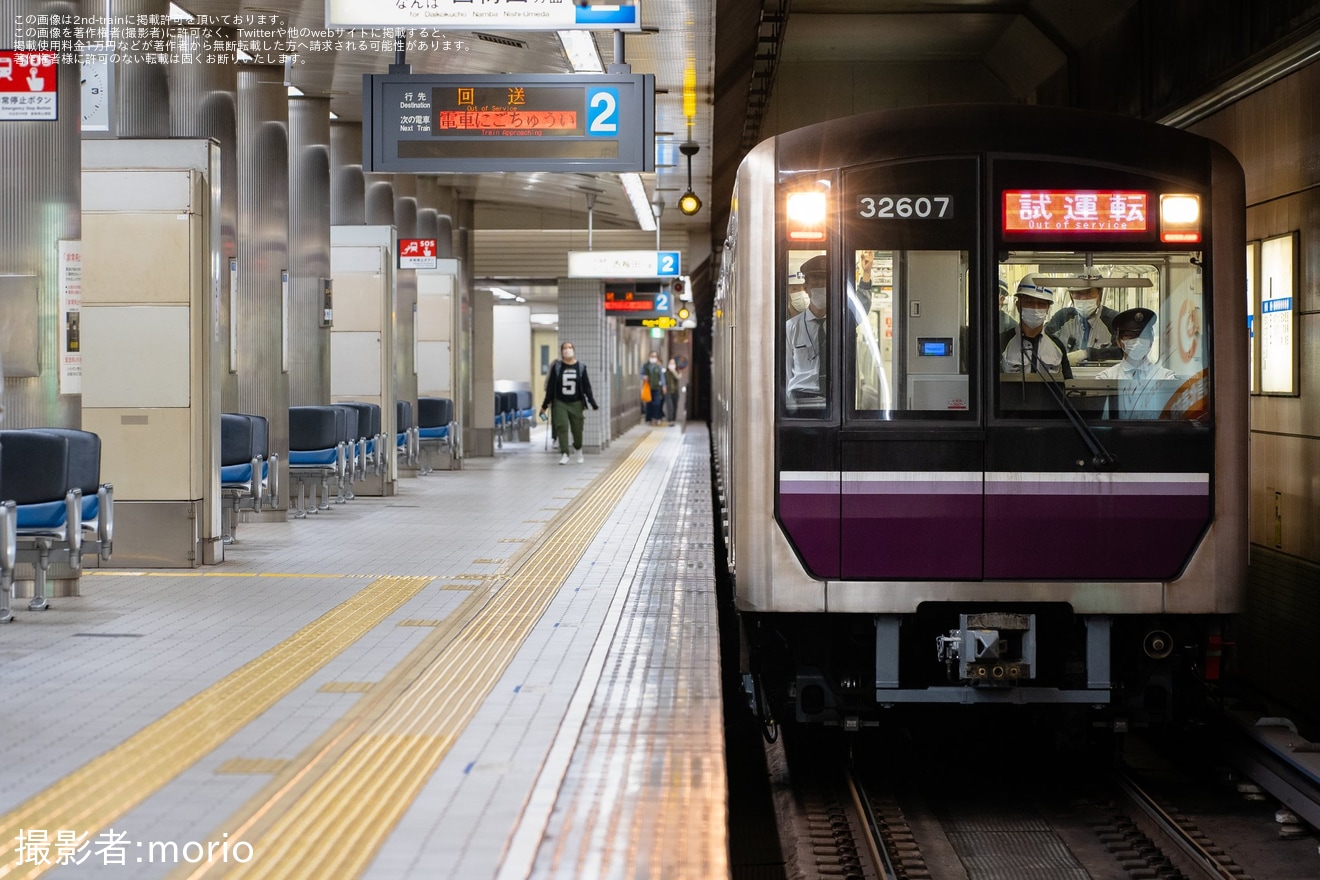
(1118, 338)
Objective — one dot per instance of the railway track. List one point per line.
(920, 816)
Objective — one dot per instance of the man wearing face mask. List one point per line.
(1027, 347)
(1086, 328)
(1143, 386)
(807, 355)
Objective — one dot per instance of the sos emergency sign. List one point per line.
(28, 86)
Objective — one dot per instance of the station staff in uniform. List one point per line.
(806, 357)
(1027, 347)
(1143, 386)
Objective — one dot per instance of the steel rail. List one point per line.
(1200, 858)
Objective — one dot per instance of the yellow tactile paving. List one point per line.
(357, 799)
(252, 766)
(95, 795)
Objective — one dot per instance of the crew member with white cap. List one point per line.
(1026, 347)
(1143, 386)
(1086, 327)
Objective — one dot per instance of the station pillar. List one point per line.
(582, 322)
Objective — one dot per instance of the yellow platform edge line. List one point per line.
(107, 787)
(360, 798)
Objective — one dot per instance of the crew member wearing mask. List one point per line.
(1143, 386)
(1086, 329)
(1027, 347)
(807, 355)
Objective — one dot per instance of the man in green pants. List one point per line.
(569, 389)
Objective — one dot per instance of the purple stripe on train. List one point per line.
(882, 526)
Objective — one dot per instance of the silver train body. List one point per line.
(937, 523)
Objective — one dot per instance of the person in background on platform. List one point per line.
(654, 375)
(1144, 387)
(568, 389)
(1027, 348)
(1087, 328)
(672, 387)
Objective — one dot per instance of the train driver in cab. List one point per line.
(1027, 347)
(806, 358)
(1144, 387)
(1086, 328)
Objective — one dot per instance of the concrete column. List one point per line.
(582, 322)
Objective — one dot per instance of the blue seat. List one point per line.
(316, 453)
(406, 438)
(249, 473)
(369, 439)
(53, 477)
(436, 429)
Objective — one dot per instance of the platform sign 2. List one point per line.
(424, 123)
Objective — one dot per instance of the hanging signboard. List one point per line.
(430, 124)
(624, 264)
(484, 15)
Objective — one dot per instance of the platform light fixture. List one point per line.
(580, 48)
(688, 203)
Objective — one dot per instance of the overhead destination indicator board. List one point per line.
(435, 123)
(483, 15)
(624, 264)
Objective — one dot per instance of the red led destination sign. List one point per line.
(1075, 212)
(646, 304)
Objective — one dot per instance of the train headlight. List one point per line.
(806, 216)
(1180, 218)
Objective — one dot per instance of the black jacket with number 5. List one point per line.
(576, 388)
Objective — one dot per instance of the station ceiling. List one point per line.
(761, 66)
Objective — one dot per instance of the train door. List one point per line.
(910, 440)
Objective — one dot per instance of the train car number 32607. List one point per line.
(906, 207)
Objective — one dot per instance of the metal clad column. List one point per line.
(202, 105)
(347, 185)
(405, 223)
(40, 205)
(263, 254)
(309, 249)
(582, 322)
(142, 91)
(474, 339)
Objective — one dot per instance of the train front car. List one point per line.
(984, 372)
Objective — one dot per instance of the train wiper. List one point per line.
(1100, 456)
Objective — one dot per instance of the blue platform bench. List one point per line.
(317, 455)
(369, 440)
(249, 473)
(406, 439)
(437, 430)
(61, 508)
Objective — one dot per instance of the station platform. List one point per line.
(506, 671)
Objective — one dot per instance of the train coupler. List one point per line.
(993, 649)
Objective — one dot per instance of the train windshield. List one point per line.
(1113, 336)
